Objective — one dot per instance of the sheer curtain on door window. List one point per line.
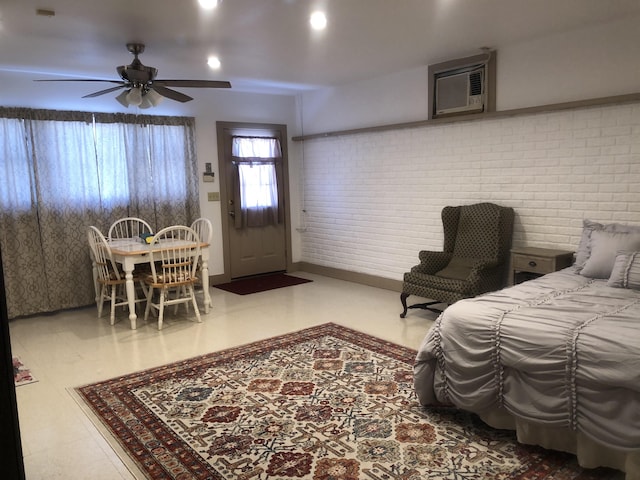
(256, 159)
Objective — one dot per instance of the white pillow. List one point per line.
(604, 247)
(626, 271)
(588, 227)
(584, 247)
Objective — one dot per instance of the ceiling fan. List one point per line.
(141, 86)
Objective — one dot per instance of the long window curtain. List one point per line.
(64, 171)
(257, 160)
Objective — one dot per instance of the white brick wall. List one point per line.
(373, 200)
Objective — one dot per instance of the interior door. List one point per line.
(257, 249)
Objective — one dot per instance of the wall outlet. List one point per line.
(213, 196)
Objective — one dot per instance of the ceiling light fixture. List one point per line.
(154, 97)
(145, 103)
(213, 62)
(150, 98)
(139, 97)
(318, 20)
(122, 98)
(134, 97)
(208, 4)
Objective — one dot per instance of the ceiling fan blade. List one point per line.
(78, 80)
(193, 83)
(102, 92)
(172, 94)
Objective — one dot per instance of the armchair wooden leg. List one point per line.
(403, 299)
(424, 306)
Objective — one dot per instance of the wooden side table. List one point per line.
(537, 261)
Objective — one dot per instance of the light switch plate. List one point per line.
(213, 196)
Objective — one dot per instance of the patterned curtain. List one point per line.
(64, 171)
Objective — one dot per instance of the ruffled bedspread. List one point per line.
(560, 351)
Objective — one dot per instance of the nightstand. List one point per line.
(533, 262)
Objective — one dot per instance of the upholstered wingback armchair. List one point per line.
(474, 259)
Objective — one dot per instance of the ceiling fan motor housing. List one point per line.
(137, 73)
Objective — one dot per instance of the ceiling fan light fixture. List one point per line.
(145, 103)
(134, 97)
(153, 97)
(122, 98)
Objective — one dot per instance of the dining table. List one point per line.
(130, 252)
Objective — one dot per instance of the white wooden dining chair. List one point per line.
(204, 229)
(174, 254)
(110, 280)
(128, 227)
(131, 227)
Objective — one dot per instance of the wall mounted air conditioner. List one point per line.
(462, 86)
(460, 91)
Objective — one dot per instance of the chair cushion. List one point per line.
(169, 278)
(433, 282)
(458, 268)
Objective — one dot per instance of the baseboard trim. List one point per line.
(362, 278)
(355, 277)
(218, 279)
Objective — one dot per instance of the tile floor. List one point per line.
(74, 348)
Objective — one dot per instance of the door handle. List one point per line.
(232, 214)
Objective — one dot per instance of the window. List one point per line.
(256, 159)
(92, 164)
(258, 187)
(64, 171)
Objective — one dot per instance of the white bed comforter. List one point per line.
(560, 351)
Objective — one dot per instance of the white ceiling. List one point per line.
(267, 45)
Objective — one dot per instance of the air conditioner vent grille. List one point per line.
(475, 83)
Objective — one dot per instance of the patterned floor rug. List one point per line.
(21, 374)
(325, 403)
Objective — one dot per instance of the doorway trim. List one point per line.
(240, 128)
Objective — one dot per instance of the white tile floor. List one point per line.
(74, 348)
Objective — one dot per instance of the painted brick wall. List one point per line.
(373, 200)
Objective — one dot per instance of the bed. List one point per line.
(557, 358)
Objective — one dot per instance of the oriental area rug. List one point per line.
(324, 403)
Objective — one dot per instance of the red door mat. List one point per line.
(262, 283)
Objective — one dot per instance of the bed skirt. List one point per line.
(589, 453)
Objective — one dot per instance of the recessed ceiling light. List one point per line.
(209, 4)
(318, 20)
(213, 62)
